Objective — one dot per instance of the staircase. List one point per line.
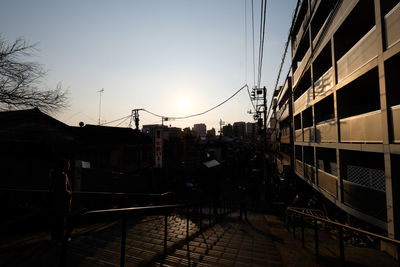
(227, 243)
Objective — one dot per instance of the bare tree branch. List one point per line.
(20, 80)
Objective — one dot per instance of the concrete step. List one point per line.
(225, 244)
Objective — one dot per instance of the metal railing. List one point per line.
(125, 213)
(296, 212)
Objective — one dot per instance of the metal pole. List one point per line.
(165, 233)
(123, 242)
(287, 220)
(316, 241)
(341, 246)
(187, 224)
(209, 214)
(100, 92)
(302, 230)
(294, 225)
(201, 217)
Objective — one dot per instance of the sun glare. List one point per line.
(184, 105)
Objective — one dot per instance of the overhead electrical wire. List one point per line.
(101, 124)
(178, 118)
(254, 58)
(262, 38)
(123, 121)
(198, 114)
(284, 56)
(260, 59)
(245, 52)
(245, 40)
(259, 42)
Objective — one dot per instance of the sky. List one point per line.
(171, 57)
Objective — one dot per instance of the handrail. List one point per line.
(129, 211)
(340, 227)
(120, 213)
(9, 189)
(388, 239)
(125, 213)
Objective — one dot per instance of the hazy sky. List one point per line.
(174, 58)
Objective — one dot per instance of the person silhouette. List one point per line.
(61, 198)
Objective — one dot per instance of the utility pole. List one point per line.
(265, 114)
(267, 181)
(135, 115)
(100, 92)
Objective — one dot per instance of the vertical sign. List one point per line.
(158, 148)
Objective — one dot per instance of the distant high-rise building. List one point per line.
(227, 130)
(251, 130)
(239, 129)
(200, 129)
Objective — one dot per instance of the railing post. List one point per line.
(302, 230)
(209, 214)
(316, 240)
(287, 221)
(165, 232)
(187, 224)
(294, 224)
(225, 208)
(201, 217)
(341, 246)
(123, 242)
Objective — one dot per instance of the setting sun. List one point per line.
(184, 105)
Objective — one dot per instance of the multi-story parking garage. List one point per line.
(338, 112)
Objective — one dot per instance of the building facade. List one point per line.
(200, 129)
(239, 129)
(338, 113)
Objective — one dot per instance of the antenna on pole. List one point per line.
(220, 126)
(100, 92)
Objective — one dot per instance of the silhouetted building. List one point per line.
(227, 130)
(31, 142)
(200, 129)
(211, 133)
(118, 157)
(239, 129)
(251, 130)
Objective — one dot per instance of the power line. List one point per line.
(284, 56)
(115, 120)
(178, 118)
(254, 60)
(245, 40)
(123, 121)
(201, 113)
(259, 42)
(262, 37)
